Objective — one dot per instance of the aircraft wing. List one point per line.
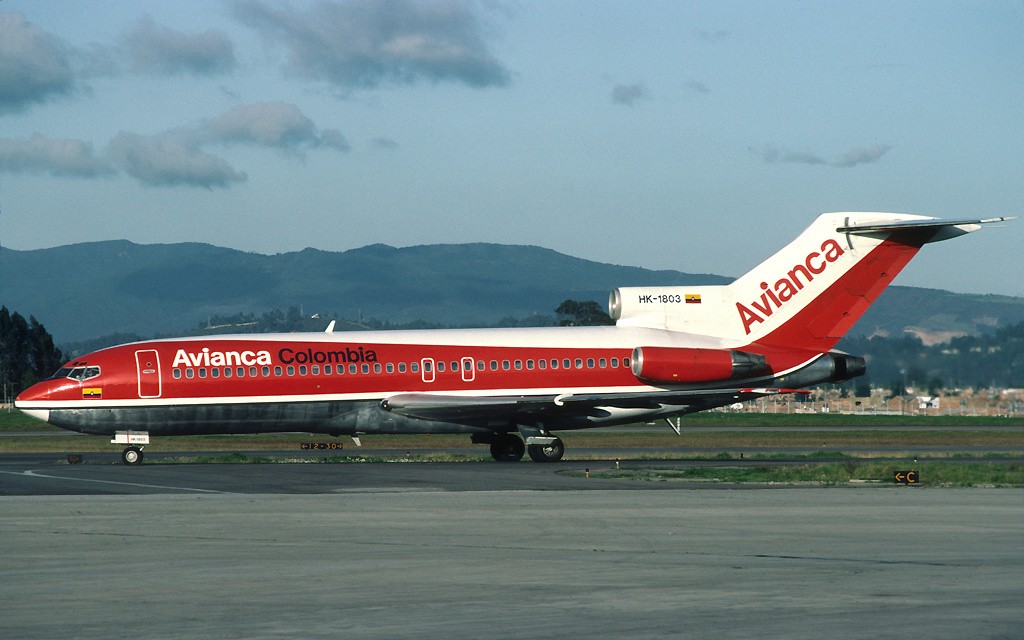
(469, 409)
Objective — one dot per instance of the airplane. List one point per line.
(672, 351)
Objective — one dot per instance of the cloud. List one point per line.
(268, 124)
(154, 49)
(852, 158)
(34, 66)
(627, 94)
(697, 85)
(178, 157)
(862, 156)
(711, 36)
(386, 144)
(365, 43)
(171, 159)
(55, 156)
(334, 139)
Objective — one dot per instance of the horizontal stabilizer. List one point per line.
(918, 224)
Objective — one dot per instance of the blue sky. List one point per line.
(667, 135)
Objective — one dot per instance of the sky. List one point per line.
(696, 136)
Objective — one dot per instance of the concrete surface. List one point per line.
(400, 560)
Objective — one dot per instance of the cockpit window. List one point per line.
(61, 373)
(80, 373)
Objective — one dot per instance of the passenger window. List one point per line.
(390, 368)
(189, 373)
(625, 362)
(455, 366)
(366, 368)
(529, 365)
(266, 371)
(291, 370)
(302, 370)
(554, 363)
(590, 363)
(542, 364)
(615, 363)
(278, 370)
(506, 365)
(566, 363)
(376, 367)
(579, 363)
(202, 373)
(480, 365)
(603, 362)
(519, 365)
(440, 367)
(494, 365)
(414, 367)
(177, 373)
(215, 372)
(241, 372)
(328, 370)
(401, 367)
(228, 372)
(315, 370)
(353, 369)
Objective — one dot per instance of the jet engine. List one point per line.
(684, 365)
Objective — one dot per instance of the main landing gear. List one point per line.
(551, 452)
(508, 447)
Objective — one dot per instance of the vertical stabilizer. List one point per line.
(807, 295)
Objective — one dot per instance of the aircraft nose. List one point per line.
(36, 393)
(29, 399)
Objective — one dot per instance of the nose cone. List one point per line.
(33, 400)
(39, 392)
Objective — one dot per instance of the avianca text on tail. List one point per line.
(672, 351)
(790, 284)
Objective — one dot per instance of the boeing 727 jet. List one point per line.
(672, 351)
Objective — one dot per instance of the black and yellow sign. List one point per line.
(907, 477)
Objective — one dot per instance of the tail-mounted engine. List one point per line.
(681, 365)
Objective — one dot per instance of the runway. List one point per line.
(470, 550)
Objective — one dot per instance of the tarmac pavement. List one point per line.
(489, 550)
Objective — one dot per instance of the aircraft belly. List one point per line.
(334, 418)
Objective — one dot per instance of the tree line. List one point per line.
(27, 353)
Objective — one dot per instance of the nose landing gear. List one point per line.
(132, 455)
(136, 441)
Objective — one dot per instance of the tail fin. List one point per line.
(807, 295)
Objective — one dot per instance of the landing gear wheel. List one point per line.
(507, 448)
(132, 455)
(547, 452)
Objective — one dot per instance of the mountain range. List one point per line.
(86, 290)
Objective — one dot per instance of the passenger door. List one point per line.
(147, 363)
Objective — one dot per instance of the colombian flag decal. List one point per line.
(693, 298)
(92, 392)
